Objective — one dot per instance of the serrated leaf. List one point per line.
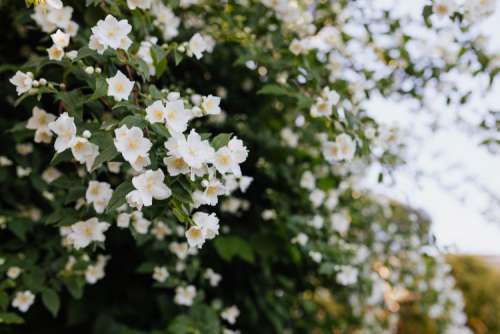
(118, 198)
(51, 301)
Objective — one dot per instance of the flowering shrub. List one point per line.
(195, 167)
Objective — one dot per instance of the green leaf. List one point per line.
(10, 318)
(140, 66)
(65, 155)
(177, 57)
(20, 227)
(159, 56)
(4, 300)
(107, 148)
(221, 140)
(134, 120)
(161, 130)
(100, 89)
(200, 319)
(426, 13)
(51, 301)
(118, 198)
(73, 102)
(230, 246)
(272, 89)
(75, 287)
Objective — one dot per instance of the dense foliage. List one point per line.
(193, 166)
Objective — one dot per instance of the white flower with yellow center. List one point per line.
(140, 224)
(23, 300)
(155, 113)
(206, 227)
(149, 185)
(98, 194)
(65, 129)
(176, 117)
(322, 108)
(55, 53)
(84, 151)
(60, 39)
(132, 144)
(210, 105)
(14, 272)
(95, 44)
(85, 232)
(347, 146)
(119, 86)
(51, 174)
(444, 8)
(111, 33)
(195, 151)
(176, 165)
(160, 274)
(39, 121)
(22, 81)
(179, 249)
(213, 189)
(185, 295)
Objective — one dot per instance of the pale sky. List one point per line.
(454, 167)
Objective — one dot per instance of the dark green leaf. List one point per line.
(51, 301)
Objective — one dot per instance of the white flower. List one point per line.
(245, 182)
(212, 277)
(176, 116)
(343, 148)
(51, 174)
(65, 129)
(14, 272)
(95, 44)
(40, 119)
(123, 220)
(213, 188)
(99, 194)
(133, 146)
(55, 53)
(195, 236)
(300, 239)
(23, 300)
(209, 223)
(224, 161)
(308, 181)
(60, 39)
(317, 222)
(347, 146)
(95, 272)
(148, 185)
(160, 274)
(193, 150)
(22, 81)
(185, 295)
(197, 45)
(347, 276)
(166, 20)
(210, 105)
(119, 86)
(316, 256)
(316, 197)
(141, 224)
(160, 231)
(340, 222)
(85, 232)
(113, 33)
(230, 314)
(444, 8)
(321, 108)
(142, 4)
(155, 113)
(179, 249)
(84, 151)
(176, 165)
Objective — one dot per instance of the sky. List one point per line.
(454, 171)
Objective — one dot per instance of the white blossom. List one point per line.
(119, 86)
(85, 232)
(23, 300)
